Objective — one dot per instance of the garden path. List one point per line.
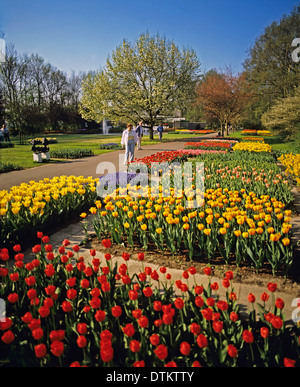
(86, 166)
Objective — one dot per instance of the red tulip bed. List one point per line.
(172, 156)
(210, 144)
(63, 311)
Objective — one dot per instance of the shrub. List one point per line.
(8, 167)
(111, 145)
(71, 153)
(6, 145)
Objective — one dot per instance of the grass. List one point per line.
(276, 142)
(21, 155)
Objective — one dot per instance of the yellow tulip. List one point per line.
(285, 241)
(207, 231)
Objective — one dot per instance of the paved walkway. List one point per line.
(85, 166)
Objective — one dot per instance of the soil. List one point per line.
(243, 274)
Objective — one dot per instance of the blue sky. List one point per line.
(80, 34)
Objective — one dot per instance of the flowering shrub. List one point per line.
(29, 207)
(62, 311)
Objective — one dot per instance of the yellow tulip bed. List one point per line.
(244, 218)
(264, 133)
(38, 205)
(255, 229)
(252, 147)
(292, 164)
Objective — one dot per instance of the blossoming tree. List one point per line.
(141, 82)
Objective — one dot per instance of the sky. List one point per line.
(79, 35)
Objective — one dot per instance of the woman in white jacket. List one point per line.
(129, 139)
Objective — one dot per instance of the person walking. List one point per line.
(5, 133)
(129, 139)
(160, 130)
(139, 132)
(2, 134)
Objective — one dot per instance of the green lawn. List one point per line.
(276, 142)
(21, 155)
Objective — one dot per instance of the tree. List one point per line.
(270, 69)
(223, 97)
(284, 115)
(141, 82)
(35, 95)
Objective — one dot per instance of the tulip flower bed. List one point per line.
(210, 144)
(292, 164)
(39, 205)
(180, 155)
(253, 138)
(249, 131)
(243, 228)
(244, 217)
(264, 133)
(256, 132)
(62, 311)
(251, 146)
(256, 172)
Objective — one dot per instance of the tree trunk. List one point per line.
(151, 132)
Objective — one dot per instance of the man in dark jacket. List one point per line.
(139, 132)
(160, 130)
